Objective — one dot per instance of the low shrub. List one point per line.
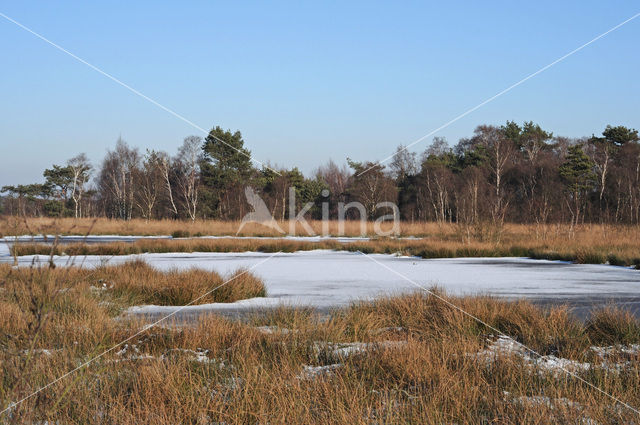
(614, 260)
(589, 257)
(180, 234)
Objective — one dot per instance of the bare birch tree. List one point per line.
(166, 166)
(188, 161)
(149, 184)
(500, 152)
(81, 171)
(117, 179)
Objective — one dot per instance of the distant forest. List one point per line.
(514, 173)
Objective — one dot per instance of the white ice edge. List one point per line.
(259, 302)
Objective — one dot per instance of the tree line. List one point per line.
(516, 173)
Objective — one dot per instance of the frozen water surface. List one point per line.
(327, 279)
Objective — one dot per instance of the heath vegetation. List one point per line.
(404, 359)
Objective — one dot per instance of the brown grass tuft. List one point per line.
(138, 283)
(613, 325)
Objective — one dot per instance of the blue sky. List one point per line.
(304, 81)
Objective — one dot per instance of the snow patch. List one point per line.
(270, 330)
(199, 355)
(539, 400)
(345, 349)
(396, 329)
(613, 350)
(505, 346)
(43, 351)
(314, 372)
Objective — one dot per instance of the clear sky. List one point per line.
(304, 81)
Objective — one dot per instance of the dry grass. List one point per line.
(135, 283)
(11, 226)
(617, 245)
(420, 365)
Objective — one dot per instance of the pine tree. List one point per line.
(226, 164)
(578, 175)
